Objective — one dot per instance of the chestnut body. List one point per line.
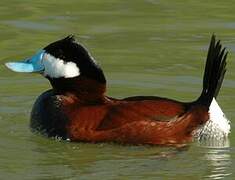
(87, 117)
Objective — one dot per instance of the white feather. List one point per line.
(218, 117)
(217, 127)
(56, 68)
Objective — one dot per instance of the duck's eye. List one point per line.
(27, 60)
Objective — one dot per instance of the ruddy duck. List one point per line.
(76, 108)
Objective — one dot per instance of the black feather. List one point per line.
(214, 72)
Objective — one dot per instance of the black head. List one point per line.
(73, 55)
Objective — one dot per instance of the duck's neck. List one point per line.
(86, 90)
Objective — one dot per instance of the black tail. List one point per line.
(214, 72)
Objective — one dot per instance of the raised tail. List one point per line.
(214, 72)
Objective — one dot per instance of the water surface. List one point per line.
(151, 47)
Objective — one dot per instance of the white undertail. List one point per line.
(217, 127)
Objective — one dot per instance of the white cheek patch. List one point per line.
(56, 68)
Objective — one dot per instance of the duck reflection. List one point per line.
(219, 157)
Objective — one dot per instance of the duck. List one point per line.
(77, 108)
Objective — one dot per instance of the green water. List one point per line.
(151, 47)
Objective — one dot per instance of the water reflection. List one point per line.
(215, 143)
(218, 155)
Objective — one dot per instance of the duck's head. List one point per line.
(65, 63)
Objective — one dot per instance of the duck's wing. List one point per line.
(139, 108)
(151, 122)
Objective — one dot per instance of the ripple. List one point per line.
(220, 162)
(32, 25)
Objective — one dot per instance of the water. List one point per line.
(151, 47)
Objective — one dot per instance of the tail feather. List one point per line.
(223, 70)
(214, 72)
